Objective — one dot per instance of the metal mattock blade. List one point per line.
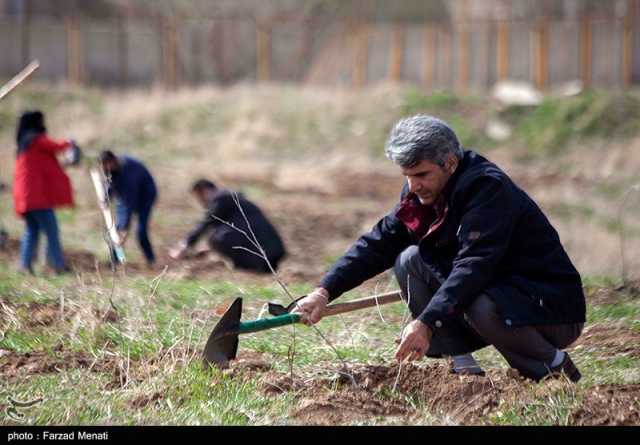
(222, 344)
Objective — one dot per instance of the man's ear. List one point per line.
(451, 164)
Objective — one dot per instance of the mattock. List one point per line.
(222, 344)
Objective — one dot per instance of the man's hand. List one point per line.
(179, 251)
(312, 306)
(416, 338)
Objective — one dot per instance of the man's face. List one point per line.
(109, 167)
(201, 197)
(427, 180)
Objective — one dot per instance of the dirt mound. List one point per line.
(347, 407)
(146, 399)
(42, 314)
(609, 340)
(199, 265)
(38, 315)
(11, 247)
(375, 390)
(463, 399)
(107, 315)
(14, 364)
(609, 405)
(84, 261)
(120, 377)
(77, 260)
(120, 371)
(248, 363)
(81, 260)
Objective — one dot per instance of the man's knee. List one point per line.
(482, 314)
(406, 259)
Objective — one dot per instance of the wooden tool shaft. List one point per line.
(98, 184)
(19, 78)
(349, 306)
(263, 324)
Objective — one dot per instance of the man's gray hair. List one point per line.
(419, 138)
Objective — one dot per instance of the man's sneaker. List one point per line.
(473, 370)
(568, 368)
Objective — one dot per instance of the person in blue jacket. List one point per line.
(135, 191)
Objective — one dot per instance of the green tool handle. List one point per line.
(268, 323)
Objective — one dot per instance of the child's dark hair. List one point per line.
(30, 124)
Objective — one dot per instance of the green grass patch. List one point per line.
(24, 342)
(551, 409)
(549, 128)
(598, 370)
(593, 282)
(629, 311)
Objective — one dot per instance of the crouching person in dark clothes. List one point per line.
(221, 206)
(477, 260)
(135, 192)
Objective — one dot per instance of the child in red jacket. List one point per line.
(40, 185)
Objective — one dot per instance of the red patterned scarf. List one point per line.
(420, 219)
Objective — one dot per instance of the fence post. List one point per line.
(170, 49)
(483, 59)
(25, 32)
(445, 38)
(123, 50)
(627, 43)
(75, 70)
(463, 59)
(361, 59)
(306, 48)
(541, 54)
(462, 31)
(585, 51)
(503, 50)
(263, 51)
(430, 49)
(397, 54)
(196, 57)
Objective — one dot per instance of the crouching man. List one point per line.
(226, 216)
(477, 261)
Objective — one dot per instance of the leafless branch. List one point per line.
(251, 237)
(404, 325)
(259, 255)
(156, 282)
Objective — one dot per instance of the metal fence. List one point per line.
(172, 51)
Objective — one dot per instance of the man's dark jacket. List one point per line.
(494, 240)
(135, 189)
(222, 206)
